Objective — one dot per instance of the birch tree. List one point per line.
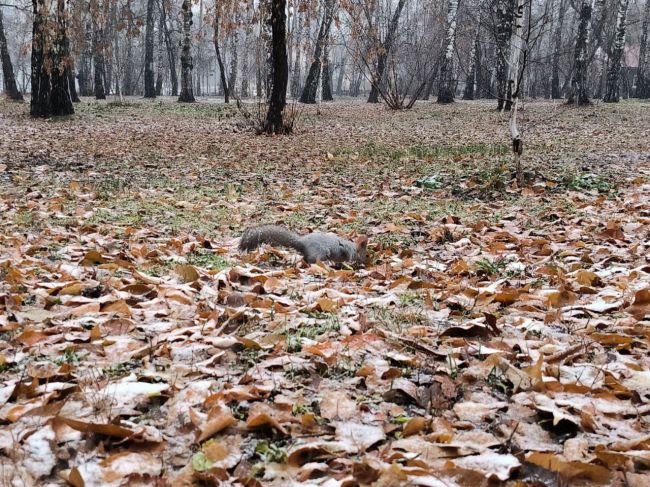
(515, 54)
(149, 81)
(559, 12)
(502, 32)
(642, 81)
(580, 84)
(447, 82)
(612, 92)
(187, 90)
(11, 89)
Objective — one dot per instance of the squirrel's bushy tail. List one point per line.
(269, 234)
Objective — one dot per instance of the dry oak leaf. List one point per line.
(219, 418)
(492, 465)
(570, 470)
(262, 415)
(641, 305)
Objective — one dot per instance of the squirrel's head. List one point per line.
(361, 244)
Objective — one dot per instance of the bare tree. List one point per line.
(642, 81)
(187, 90)
(447, 84)
(149, 81)
(222, 69)
(316, 68)
(275, 123)
(612, 94)
(11, 89)
(50, 88)
(383, 48)
(580, 84)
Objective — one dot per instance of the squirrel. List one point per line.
(313, 246)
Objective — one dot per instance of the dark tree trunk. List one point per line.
(446, 86)
(50, 88)
(85, 85)
(556, 92)
(222, 69)
(266, 26)
(339, 78)
(187, 90)
(98, 61)
(642, 81)
(326, 77)
(232, 77)
(127, 82)
(149, 81)
(355, 87)
(108, 32)
(171, 50)
(278, 100)
(69, 72)
(244, 65)
(295, 75)
(160, 65)
(310, 90)
(504, 19)
(580, 84)
(11, 89)
(612, 93)
(472, 83)
(384, 51)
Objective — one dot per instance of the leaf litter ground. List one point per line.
(497, 335)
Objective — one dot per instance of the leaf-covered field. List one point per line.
(497, 335)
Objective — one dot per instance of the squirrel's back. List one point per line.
(313, 246)
(253, 237)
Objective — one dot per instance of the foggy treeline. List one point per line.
(392, 51)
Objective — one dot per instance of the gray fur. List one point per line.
(313, 246)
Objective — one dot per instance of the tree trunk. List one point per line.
(472, 83)
(384, 51)
(244, 65)
(642, 81)
(85, 86)
(50, 88)
(315, 70)
(160, 56)
(232, 78)
(556, 93)
(127, 82)
(69, 73)
(171, 50)
(326, 76)
(341, 75)
(98, 61)
(222, 69)
(278, 100)
(295, 75)
(515, 53)
(504, 17)
(187, 90)
(612, 93)
(110, 11)
(446, 86)
(11, 89)
(149, 82)
(580, 84)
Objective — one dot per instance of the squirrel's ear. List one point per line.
(361, 241)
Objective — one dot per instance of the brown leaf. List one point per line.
(187, 272)
(219, 418)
